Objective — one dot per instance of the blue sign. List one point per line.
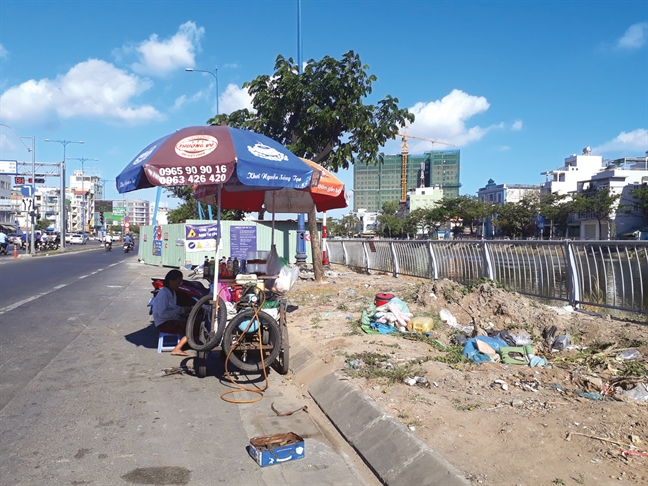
(27, 191)
(540, 221)
(242, 240)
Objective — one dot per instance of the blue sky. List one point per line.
(517, 86)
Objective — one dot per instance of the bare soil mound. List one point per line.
(569, 422)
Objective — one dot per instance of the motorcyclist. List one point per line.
(3, 242)
(108, 241)
(128, 239)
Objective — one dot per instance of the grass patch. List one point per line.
(374, 366)
(451, 354)
(463, 406)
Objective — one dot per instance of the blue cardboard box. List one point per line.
(275, 449)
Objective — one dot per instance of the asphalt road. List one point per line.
(84, 400)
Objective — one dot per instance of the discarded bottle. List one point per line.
(206, 267)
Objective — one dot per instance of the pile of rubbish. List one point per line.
(393, 315)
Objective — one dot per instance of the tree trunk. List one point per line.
(316, 247)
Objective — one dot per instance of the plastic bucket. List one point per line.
(382, 299)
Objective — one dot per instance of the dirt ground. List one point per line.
(499, 424)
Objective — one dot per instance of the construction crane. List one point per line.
(404, 155)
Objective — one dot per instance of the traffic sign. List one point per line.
(27, 191)
(8, 167)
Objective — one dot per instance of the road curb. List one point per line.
(395, 455)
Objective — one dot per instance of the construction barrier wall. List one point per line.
(165, 245)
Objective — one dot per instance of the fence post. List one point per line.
(435, 268)
(488, 262)
(573, 290)
(395, 258)
(345, 258)
(366, 257)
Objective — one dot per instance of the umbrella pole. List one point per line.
(218, 242)
(273, 220)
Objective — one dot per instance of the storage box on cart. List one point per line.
(275, 449)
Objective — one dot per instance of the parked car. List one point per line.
(78, 239)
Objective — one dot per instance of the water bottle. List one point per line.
(206, 267)
(230, 271)
(212, 267)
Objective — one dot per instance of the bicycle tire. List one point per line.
(200, 364)
(283, 360)
(251, 360)
(200, 335)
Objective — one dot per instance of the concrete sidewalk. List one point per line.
(103, 412)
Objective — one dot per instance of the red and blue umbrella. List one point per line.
(212, 155)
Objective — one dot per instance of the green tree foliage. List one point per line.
(517, 219)
(320, 114)
(351, 225)
(597, 203)
(43, 224)
(556, 209)
(641, 201)
(334, 228)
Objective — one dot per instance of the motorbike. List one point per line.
(108, 245)
(3, 249)
(128, 247)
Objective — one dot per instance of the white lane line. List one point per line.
(22, 302)
(37, 296)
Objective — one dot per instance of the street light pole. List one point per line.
(62, 205)
(192, 70)
(83, 201)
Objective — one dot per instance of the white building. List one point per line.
(162, 213)
(620, 176)
(424, 197)
(83, 188)
(137, 210)
(577, 168)
(47, 200)
(505, 193)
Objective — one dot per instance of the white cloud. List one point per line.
(626, 144)
(160, 57)
(517, 125)
(504, 148)
(4, 53)
(93, 89)
(5, 143)
(234, 98)
(634, 37)
(182, 100)
(445, 120)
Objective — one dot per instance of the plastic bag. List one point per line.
(448, 318)
(522, 338)
(287, 277)
(561, 342)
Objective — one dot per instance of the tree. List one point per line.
(320, 115)
(43, 224)
(517, 219)
(556, 209)
(640, 205)
(600, 203)
(351, 225)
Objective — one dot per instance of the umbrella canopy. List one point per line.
(213, 155)
(328, 193)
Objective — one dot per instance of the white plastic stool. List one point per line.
(167, 342)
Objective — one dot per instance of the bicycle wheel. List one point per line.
(246, 356)
(201, 335)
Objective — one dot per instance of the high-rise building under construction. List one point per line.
(374, 185)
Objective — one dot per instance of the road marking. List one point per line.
(37, 296)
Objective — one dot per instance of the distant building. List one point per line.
(84, 188)
(162, 213)
(424, 197)
(577, 168)
(7, 210)
(374, 185)
(505, 193)
(620, 176)
(137, 210)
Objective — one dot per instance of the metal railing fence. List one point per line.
(611, 274)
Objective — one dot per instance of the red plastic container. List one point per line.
(382, 299)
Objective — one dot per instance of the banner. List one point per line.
(201, 237)
(242, 240)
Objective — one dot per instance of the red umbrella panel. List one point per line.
(326, 192)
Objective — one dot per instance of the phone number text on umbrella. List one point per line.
(202, 174)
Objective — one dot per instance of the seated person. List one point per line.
(128, 239)
(167, 315)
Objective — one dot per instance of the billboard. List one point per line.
(103, 206)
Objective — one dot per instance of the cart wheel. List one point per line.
(200, 333)
(282, 362)
(250, 359)
(200, 364)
